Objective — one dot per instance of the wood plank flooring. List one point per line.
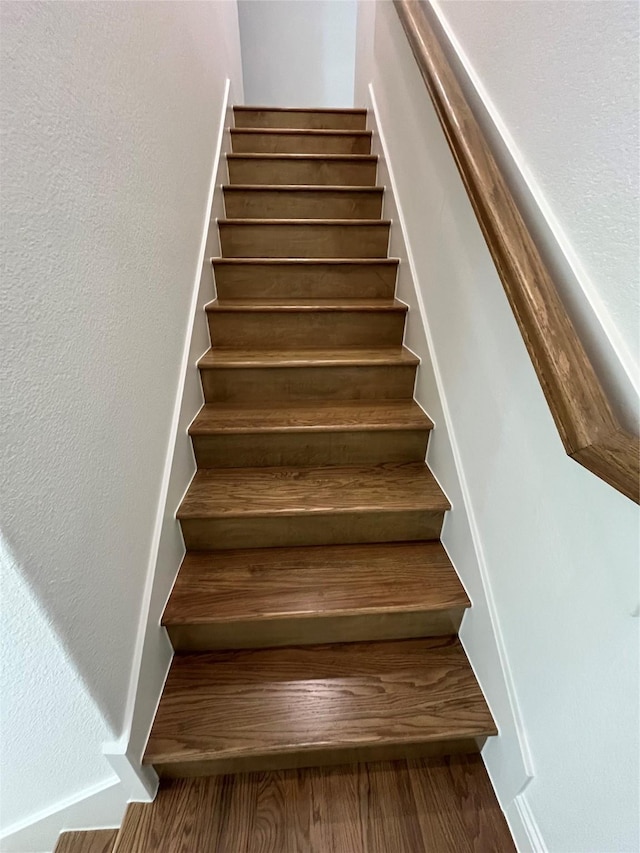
(437, 806)
(89, 841)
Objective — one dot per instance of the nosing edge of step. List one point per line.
(177, 621)
(264, 109)
(300, 131)
(357, 158)
(305, 748)
(322, 188)
(307, 223)
(225, 261)
(250, 306)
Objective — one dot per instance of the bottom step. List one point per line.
(303, 706)
(440, 806)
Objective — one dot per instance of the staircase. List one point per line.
(315, 615)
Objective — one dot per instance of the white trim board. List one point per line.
(523, 826)
(153, 652)
(101, 806)
(507, 757)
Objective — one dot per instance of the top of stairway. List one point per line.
(322, 118)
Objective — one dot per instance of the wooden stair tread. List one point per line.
(307, 357)
(247, 108)
(298, 131)
(305, 261)
(265, 155)
(276, 583)
(305, 698)
(263, 492)
(305, 223)
(293, 305)
(294, 416)
(307, 188)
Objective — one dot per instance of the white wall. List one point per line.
(560, 82)
(298, 53)
(548, 552)
(111, 115)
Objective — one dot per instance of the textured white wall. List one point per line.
(557, 548)
(298, 53)
(110, 115)
(561, 80)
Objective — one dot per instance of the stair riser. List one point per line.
(293, 330)
(311, 529)
(300, 143)
(320, 758)
(248, 385)
(307, 281)
(325, 172)
(304, 241)
(305, 449)
(267, 633)
(300, 119)
(301, 204)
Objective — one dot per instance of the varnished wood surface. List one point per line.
(436, 806)
(251, 492)
(297, 141)
(582, 413)
(303, 238)
(315, 358)
(267, 703)
(302, 202)
(357, 170)
(289, 596)
(89, 841)
(348, 415)
(288, 375)
(258, 324)
(271, 306)
(286, 278)
(280, 117)
(309, 434)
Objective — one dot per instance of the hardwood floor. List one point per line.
(437, 806)
(90, 841)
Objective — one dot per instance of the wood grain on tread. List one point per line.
(309, 434)
(265, 323)
(300, 141)
(442, 805)
(584, 418)
(88, 841)
(303, 202)
(298, 703)
(289, 375)
(329, 169)
(275, 117)
(288, 596)
(286, 278)
(255, 492)
(304, 238)
(350, 415)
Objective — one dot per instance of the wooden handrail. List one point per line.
(589, 430)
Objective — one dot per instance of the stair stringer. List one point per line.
(153, 653)
(507, 756)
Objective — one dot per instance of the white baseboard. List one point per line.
(523, 826)
(153, 650)
(507, 757)
(101, 806)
